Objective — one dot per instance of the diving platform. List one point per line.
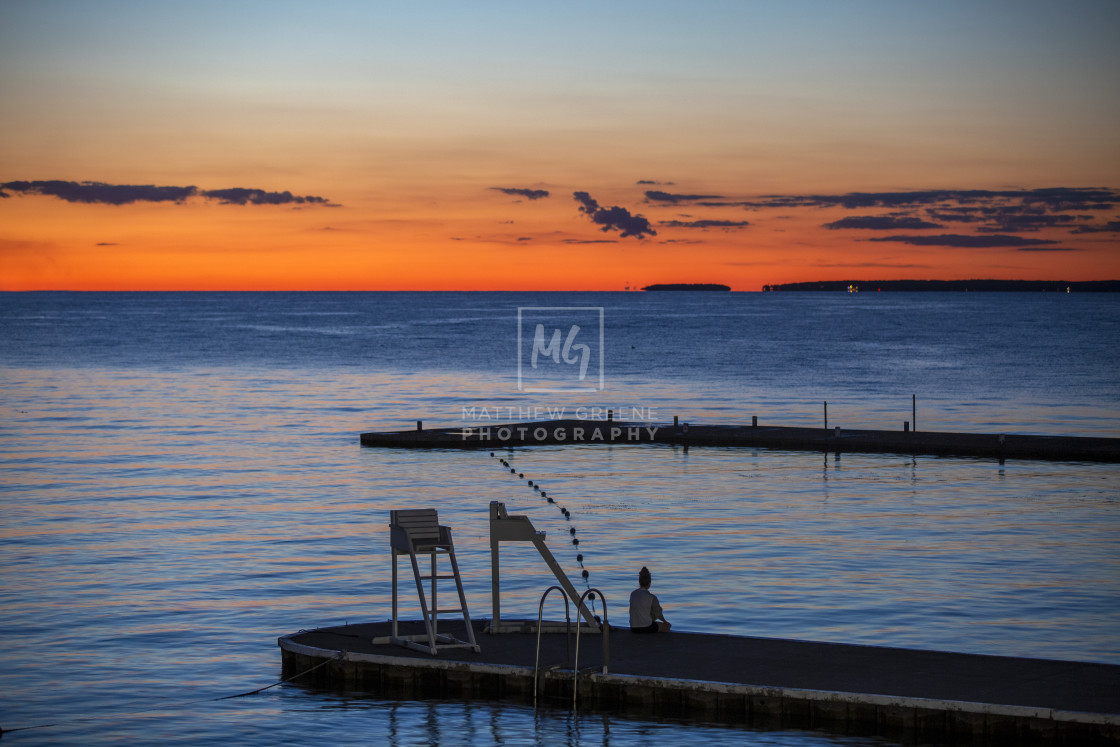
(828, 440)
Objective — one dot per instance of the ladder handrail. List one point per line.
(540, 618)
(605, 627)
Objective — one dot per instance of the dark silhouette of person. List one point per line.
(646, 615)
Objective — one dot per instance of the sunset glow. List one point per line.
(369, 146)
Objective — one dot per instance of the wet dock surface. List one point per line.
(773, 663)
(561, 432)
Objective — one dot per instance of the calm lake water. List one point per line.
(181, 483)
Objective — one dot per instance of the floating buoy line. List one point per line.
(163, 706)
(536, 486)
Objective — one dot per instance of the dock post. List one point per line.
(676, 421)
(419, 425)
(495, 588)
(754, 421)
(610, 415)
(826, 415)
(905, 426)
(914, 410)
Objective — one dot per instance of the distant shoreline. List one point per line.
(979, 286)
(688, 287)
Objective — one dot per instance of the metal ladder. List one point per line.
(418, 530)
(567, 636)
(605, 628)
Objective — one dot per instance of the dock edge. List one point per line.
(762, 707)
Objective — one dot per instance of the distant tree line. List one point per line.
(687, 287)
(1049, 286)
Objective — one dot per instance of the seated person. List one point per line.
(645, 611)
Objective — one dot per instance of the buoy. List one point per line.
(545, 495)
(521, 475)
(571, 530)
(512, 471)
(549, 500)
(586, 574)
(591, 596)
(575, 541)
(579, 558)
(536, 487)
(491, 453)
(530, 483)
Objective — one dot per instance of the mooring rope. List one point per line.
(124, 714)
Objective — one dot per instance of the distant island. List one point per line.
(980, 286)
(687, 287)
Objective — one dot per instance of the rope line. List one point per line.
(340, 658)
(536, 485)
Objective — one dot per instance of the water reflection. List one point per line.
(404, 724)
(160, 530)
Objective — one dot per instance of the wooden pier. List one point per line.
(761, 683)
(564, 432)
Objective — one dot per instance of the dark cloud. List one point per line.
(659, 196)
(1064, 198)
(590, 241)
(966, 241)
(999, 212)
(1113, 226)
(524, 238)
(1054, 198)
(243, 196)
(99, 192)
(1011, 222)
(705, 223)
(529, 194)
(1046, 249)
(106, 243)
(955, 215)
(894, 265)
(614, 218)
(881, 223)
(588, 204)
(127, 194)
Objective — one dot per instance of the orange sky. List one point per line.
(748, 123)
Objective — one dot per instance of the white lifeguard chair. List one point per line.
(417, 530)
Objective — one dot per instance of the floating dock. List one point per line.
(761, 683)
(562, 432)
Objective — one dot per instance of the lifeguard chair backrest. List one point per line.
(420, 524)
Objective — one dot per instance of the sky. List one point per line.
(555, 146)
